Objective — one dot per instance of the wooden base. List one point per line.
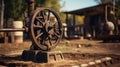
(42, 56)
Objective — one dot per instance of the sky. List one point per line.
(70, 5)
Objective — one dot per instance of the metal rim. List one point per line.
(45, 29)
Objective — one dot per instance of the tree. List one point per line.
(118, 8)
(54, 4)
(14, 9)
(80, 19)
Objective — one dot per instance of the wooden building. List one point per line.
(95, 18)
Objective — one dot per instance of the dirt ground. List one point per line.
(90, 46)
(82, 46)
(76, 51)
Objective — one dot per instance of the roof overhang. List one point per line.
(94, 9)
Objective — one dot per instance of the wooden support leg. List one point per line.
(6, 38)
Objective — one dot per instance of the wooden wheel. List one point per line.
(45, 29)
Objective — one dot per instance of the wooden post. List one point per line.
(74, 22)
(2, 14)
(6, 38)
(67, 19)
(30, 7)
(2, 21)
(67, 24)
(106, 14)
(12, 37)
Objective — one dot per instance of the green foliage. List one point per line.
(14, 9)
(118, 8)
(80, 19)
(54, 4)
(63, 17)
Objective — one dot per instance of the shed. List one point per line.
(95, 16)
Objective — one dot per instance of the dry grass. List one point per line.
(65, 48)
(10, 47)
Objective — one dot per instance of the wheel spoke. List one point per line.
(37, 18)
(43, 15)
(56, 34)
(52, 24)
(37, 26)
(39, 35)
(48, 18)
(50, 41)
(43, 40)
(58, 31)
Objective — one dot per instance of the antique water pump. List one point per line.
(44, 26)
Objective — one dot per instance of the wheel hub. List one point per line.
(48, 28)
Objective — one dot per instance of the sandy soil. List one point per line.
(82, 51)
